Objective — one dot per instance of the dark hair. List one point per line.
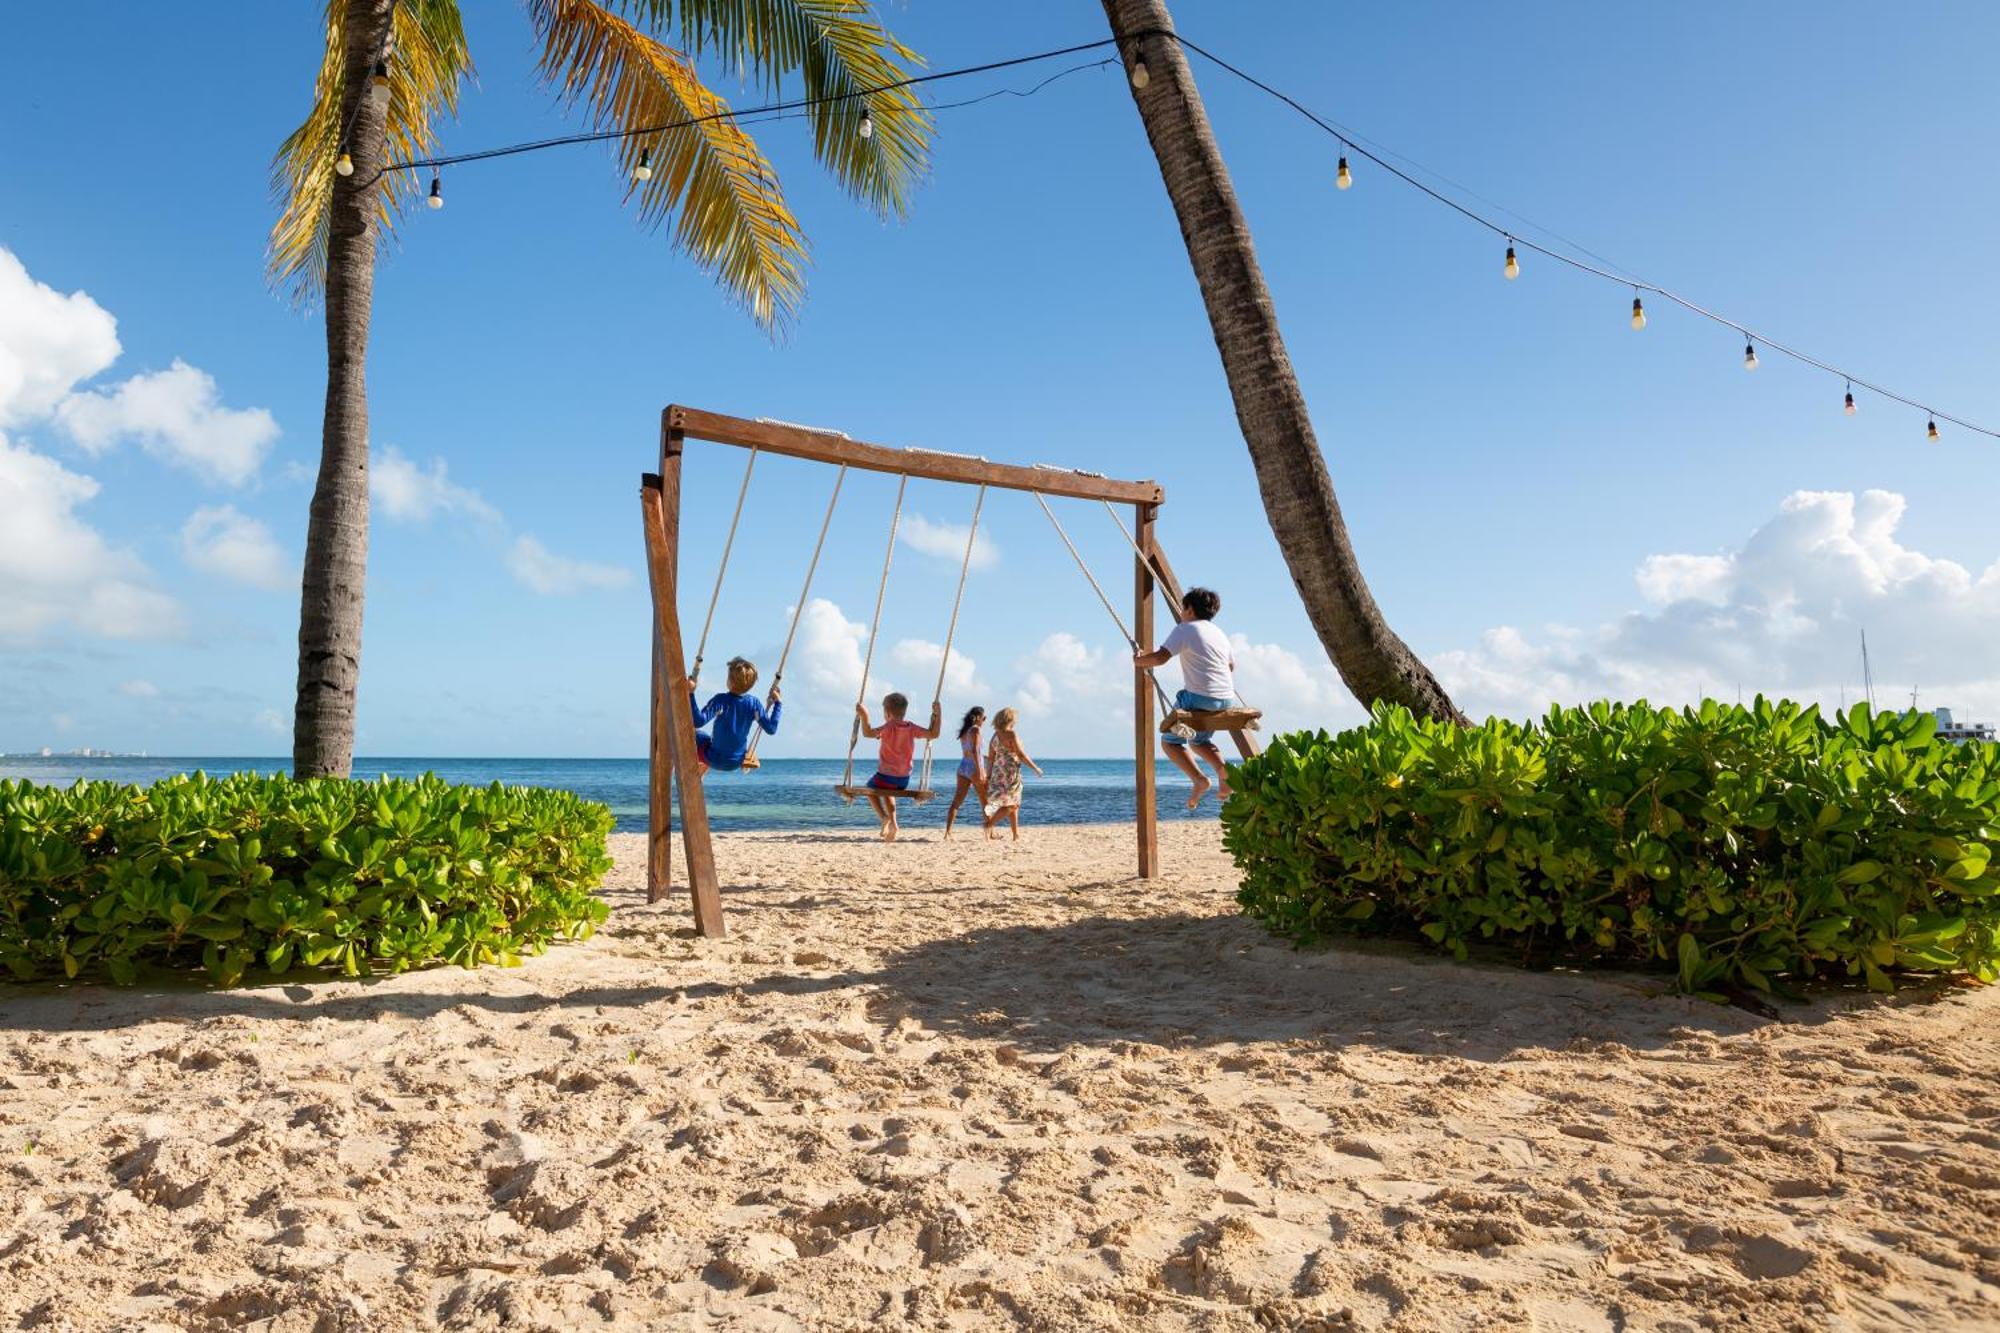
(895, 704)
(1202, 603)
(973, 717)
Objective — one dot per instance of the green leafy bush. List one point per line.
(251, 871)
(1742, 846)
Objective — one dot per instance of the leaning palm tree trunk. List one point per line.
(336, 557)
(1291, 473)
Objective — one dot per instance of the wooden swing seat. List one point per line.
(917, 794)
(1222, 719)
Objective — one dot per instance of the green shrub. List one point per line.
(1743, 846)
(251, 871)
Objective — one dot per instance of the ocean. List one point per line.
(783, 794)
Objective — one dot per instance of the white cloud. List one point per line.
(272, 721)
(828, 650)
(223, 541)
(921, 657)
(1783, 614)
(946, 541)
(1062, 671)
(543, 571)
(403, 490)
(48, 343)
(55, 569)
(139, 689)
(177, 415)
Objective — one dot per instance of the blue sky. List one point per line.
(1548, 504)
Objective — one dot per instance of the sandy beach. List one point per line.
(980, 1085)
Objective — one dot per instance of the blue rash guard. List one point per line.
(733, 716)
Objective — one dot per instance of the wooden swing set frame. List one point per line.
(673, 761)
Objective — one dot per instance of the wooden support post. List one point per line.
(659, 783)
(1170, 587)
(660, 499)
(1143, 736)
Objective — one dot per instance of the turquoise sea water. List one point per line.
(784, 793)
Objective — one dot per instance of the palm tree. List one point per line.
(1291, 472)
(392, 68)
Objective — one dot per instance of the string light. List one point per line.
(1140, 76)
(343, 165)
(644, 171)
(437, 191)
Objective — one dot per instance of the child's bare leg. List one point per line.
(957, 799)
(876, 803)
(1014, 821)
(889, 828)
(991, 818)
(1213, 758)
(1182, 761)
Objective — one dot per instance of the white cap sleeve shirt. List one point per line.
(1205, 658)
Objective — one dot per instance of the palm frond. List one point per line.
(730, 216)
(430, 62)
(839, 48)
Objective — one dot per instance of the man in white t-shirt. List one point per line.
(1208, 680)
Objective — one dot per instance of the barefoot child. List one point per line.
(1003, 774)
(971, 769)
(733, 714)
(899, 738)
(1208, 678)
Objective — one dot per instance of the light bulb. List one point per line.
(1638, 313)
(437, 193)
(1848, 406)
(1749, 356)
(1141, 76)
(1513, 269)
(867, 125)
(1933, 431)
(343, 165)
(1343, 178)
(644, 171)
(380, 77)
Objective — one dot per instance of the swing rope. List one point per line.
(799, 610)
(875, 624)
(951, 630)
(715, 596)
(1116, 619)
(1173, 602)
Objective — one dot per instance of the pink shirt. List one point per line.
(899, 743)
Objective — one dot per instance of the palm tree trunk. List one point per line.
(336, 560)
(1291, 472)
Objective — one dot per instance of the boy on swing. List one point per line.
(734, 714)
(1208, 677)
(899, 737)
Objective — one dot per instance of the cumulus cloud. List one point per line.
(139, 689)
(542, 570)
(1062, 672)
(49, 343)
(56, 569)
(828, 650)
(1782, 614)
(946, 541)
(404, 490)
(223, 541)
(921, 657)
(176, 415)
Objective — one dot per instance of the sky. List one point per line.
(1548, 505)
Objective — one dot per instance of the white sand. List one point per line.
(985, 1086)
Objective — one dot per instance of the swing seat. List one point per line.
(1222, 719)
(917, 794)
(751, 761)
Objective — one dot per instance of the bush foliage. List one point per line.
(266, 872)
(1744, 846)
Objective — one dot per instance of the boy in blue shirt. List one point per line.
(733, 714)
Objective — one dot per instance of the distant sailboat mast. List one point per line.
(1867, 675)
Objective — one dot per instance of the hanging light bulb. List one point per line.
(1848, 406)
(644, 171)
(867, 130)
(1749, 356)
(437, 192)
(1343, 178)
(1933, 430)
(379, 78)
(343, 165)
(1638, 313)
(1141, 76)
(1513, 268)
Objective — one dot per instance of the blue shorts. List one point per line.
(883, 782)
(704, 747)
(1196, 703)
